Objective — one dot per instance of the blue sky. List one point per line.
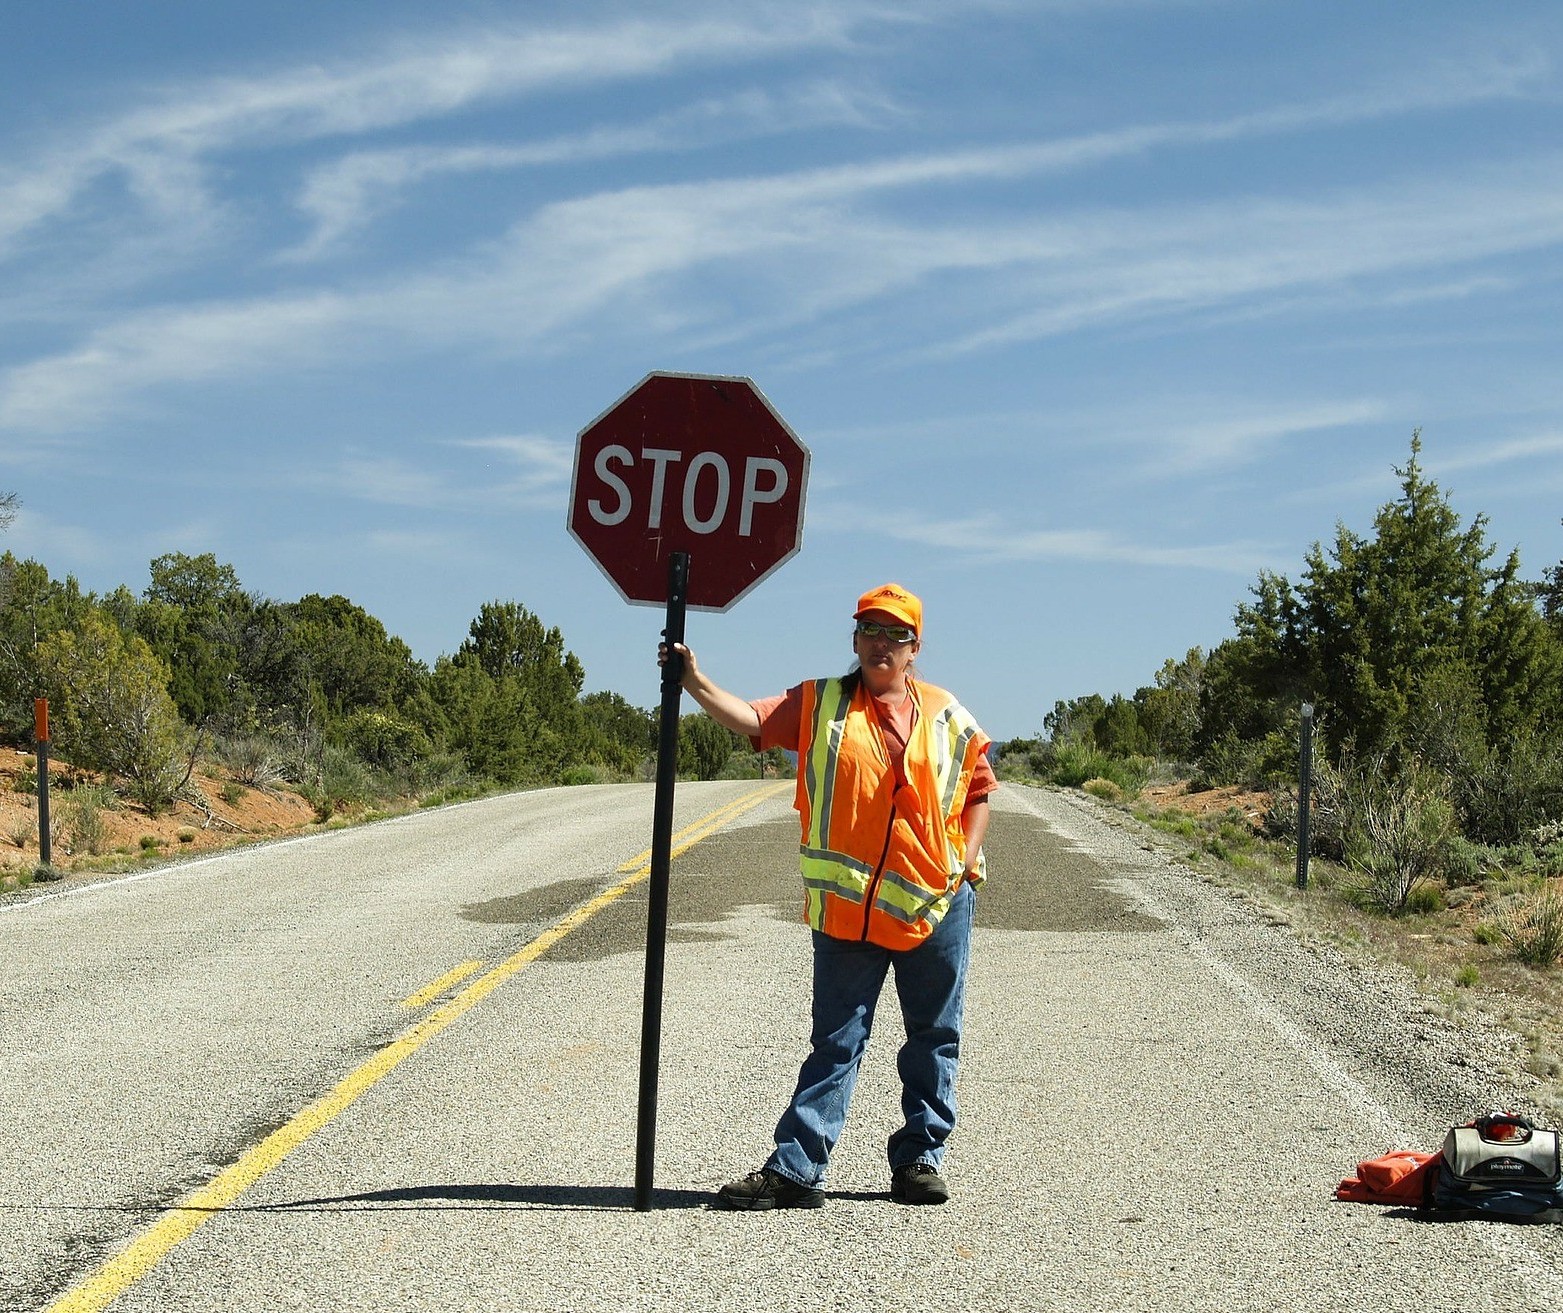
(1087, 312)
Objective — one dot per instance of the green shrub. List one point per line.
(344, 780)
(574, 775)
(1397, 825)
(102, 796)
(232, 793)
(381, 739)
(1023, 759)
(455, 793)
(115, 712)
(1229, 760)
(1505, 795)
(441, 770)
(26, 781)
(1075, 763)
(1535, 932)
(741, 764)
(1103, 788)
(81, 816)
(1518, 861)
(256, 760)
(83, 821)
(1425, 899)
(1465, 863)
(1467, 976)
(1326, 829)
(1281, 814)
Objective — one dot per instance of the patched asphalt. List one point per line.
(1035, 883)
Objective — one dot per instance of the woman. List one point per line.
(893, 783)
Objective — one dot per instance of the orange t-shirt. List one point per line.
(781, 726)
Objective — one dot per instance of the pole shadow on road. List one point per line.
(607, 1198)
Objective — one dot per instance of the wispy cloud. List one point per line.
(161, 147)
(422, 544)
(42, 537)
(828, 249)
(345, 195)
(391, 480)
(520, 469)
(539, 468)
(1135, 266)
(1500, 453)
(1226, 436)
(158, 148)
(805, 259)
(179, 345)
(1169, 435)
(991, 540)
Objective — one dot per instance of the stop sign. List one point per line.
(689, 463)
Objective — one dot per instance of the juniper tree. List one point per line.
(507, 700)
(1417, 648)
(32, 606)
(110, 698)
(1379, 616)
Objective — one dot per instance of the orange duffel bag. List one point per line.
(1403, 1177)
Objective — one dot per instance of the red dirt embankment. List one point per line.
(122, 834)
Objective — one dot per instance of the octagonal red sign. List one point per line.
(695, 463)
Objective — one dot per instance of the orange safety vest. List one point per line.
(882, 861)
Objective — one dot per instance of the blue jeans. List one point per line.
(930, 982)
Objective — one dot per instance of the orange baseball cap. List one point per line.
(893, 600)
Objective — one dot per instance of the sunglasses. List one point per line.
(895, 633)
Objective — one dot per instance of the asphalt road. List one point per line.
(366, 1070)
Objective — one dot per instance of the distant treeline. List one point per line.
(314, 692)
(1436, 674)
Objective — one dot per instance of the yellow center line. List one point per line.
(182, 1219)
(435, 988)
(706, 825)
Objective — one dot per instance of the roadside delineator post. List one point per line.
(41, 737)
(1304, 783)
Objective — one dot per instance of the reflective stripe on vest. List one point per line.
(912, 868)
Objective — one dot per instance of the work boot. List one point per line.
(918, 1183)
(768, 1189)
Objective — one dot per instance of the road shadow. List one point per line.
(587, 1198)
(601, 1198)
(456, 1198)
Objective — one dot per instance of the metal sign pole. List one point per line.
(661, 859)
(1304, 782)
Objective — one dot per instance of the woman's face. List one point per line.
(884, 660)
